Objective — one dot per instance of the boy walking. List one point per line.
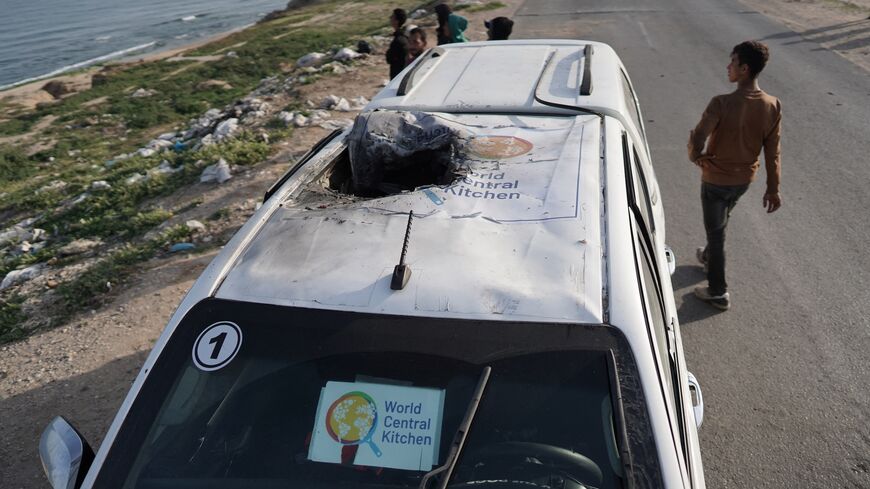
(735, 128)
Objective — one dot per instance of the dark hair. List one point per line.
(418, 30)
(400, 15)
(753, 54)
(501, 28)
(442, 10)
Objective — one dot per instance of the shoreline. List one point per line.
(75, 76)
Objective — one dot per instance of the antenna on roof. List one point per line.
(402, 272)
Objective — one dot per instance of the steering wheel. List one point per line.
(574, 463)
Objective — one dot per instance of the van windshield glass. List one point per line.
(323, 399)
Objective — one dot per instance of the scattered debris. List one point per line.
(310, 59)
(16, 277)
(226, 129)
(181, 247)
(209, 84)
(345, 54)
(146, 152)
(363, 47)
(164, 168)
(136, 178)
(100, 185)
(195, 225)
(334, 102)
(219, 172)
(167, 136)
(232, 54)
(53, 186)
(78, 247)
(143, 92)
(418, 13)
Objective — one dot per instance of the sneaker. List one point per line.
(701, 255)
(722, 302)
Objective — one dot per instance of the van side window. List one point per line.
(637, 188)
(628, 96)
(656, 317)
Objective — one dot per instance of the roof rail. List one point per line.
(586, 84)
(547, 66)
(407, 82)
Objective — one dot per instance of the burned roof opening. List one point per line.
(390, 152)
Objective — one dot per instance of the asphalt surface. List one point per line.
(785, 372)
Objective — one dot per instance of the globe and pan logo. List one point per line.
(498, 147)
(352, 420)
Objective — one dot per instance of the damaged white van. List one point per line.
(467, 289)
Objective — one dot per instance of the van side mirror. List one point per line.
(66, 456)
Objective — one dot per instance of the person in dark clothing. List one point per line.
(397, 54)
(499, 28)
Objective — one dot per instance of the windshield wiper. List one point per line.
(461, 433)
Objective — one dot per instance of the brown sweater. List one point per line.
(739, 124)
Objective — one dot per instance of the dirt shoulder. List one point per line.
(843, 26)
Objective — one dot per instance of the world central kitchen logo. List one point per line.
(353, 420)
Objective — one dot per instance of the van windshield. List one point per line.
(252, 396)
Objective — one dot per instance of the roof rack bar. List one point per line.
(407, 82)
(586, 84)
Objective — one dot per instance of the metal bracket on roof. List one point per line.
(408, 80)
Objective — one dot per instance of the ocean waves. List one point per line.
(84, 64)
(47, 40)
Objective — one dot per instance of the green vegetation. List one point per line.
(14, 165)
(11, 318)
(50, 173)
(90, 288)
(481, 7)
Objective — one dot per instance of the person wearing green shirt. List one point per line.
(451, 27)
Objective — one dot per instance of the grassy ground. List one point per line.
(80, 133)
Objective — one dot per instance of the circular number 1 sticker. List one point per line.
(217, 345)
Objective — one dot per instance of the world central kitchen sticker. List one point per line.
(377, 425)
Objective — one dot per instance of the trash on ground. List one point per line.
(181, 247)
(310, 59)
(219, 172)
(16, 277)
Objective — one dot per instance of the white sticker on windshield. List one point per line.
(378, 425)
(216, 347)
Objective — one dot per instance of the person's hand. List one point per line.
(704, 160)
(772, 201)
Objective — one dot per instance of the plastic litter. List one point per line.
(345, 54)
(219, 172)
(310, 59)
(16, 277)
(181, 247)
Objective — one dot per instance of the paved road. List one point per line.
(785, 372)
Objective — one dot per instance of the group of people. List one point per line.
(409, 41)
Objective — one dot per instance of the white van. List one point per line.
(468, 289)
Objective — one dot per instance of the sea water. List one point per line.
(40, 38)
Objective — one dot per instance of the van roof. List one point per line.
(519, 77)
(518, 238)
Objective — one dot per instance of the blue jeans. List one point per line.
(717, 201)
